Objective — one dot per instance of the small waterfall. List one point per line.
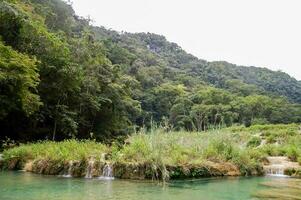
(69, 172)
(274, 170)
(90, 167)
(103, 157)
(277, 166)
(107, 173)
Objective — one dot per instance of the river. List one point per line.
(27, 186)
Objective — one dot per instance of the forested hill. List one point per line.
(215, 73)
(61, 78)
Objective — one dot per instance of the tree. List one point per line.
(18, 82)
(163, 98)
(180, 113)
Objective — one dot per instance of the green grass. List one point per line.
(61, 151)
(243, 147)
(188, 149)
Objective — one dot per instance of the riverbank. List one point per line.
(235, 151)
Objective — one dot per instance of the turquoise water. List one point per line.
(27, 186)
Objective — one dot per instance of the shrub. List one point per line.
(255, 141)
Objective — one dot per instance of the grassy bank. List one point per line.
(164, 155)
(53, 157)
(183, 154)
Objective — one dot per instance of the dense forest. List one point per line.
(61, 77)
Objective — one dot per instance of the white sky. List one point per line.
(262, 33)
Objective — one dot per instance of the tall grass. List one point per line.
(62, 151)
(187, 149)
(243, 147)
(280, 140)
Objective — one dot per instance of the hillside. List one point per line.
(62, 78)
(215, 73)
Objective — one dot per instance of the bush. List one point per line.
(255, 141)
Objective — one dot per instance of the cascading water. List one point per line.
(274, 170)
(107, 173)
(277, 166)
(69, 172)
(103, 157)
(90, 167)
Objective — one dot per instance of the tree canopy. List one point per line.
(61, 77)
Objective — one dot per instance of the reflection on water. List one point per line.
(20, 186)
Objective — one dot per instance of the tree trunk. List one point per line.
(54, 131)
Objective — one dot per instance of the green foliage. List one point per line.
(254, 142)
(81, 91)
(18, 82)
(73, 80)
(62, 151)
(177, 154)
(237, 145)
(179, 148)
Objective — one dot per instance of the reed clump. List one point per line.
(161, 154)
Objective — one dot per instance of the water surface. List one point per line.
(27, 186)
